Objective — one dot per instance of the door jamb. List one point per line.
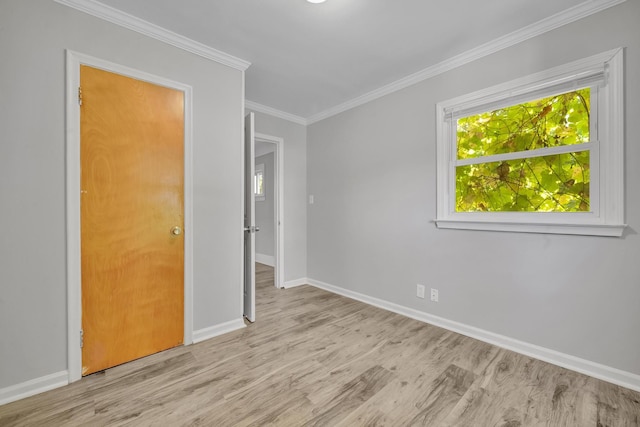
(279, 204)
(74, 286)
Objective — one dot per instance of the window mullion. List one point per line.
(550, 151)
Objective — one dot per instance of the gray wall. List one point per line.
(295, 191)
(33, 37)
(372, 171)
(265, 214)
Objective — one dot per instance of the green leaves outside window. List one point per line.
(531, 179)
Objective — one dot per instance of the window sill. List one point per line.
(522, 227)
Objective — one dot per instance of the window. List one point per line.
(258, 183)
(542, 153)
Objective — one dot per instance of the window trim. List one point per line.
(607, 218)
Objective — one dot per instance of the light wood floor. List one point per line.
(314, 358)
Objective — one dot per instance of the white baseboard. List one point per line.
(269, 260)
(33, 387)
(213, 331)
(296, 282)
(61, 379)
(606, 373)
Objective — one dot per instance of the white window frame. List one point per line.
(259, 172)
(606, 216)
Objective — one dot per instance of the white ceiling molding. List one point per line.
(274, 112)
(141, 26)
(568, 16)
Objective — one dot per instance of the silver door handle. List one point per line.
(252, 229)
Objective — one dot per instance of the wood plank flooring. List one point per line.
(318, 359)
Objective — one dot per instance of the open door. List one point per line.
(249, 221)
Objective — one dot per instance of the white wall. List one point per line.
(372, 171)
(295, 191)
(33, 37)
(265, 209)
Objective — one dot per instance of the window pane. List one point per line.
(260, 184)
(549, 122)
(557, 183)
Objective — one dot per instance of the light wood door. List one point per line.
(132, 197)
(249, 220)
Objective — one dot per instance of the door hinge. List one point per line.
(79, 95)
(81, 338)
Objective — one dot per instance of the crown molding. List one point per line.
(274, 112)
(102, 11)
(560, 19)
(115, 16)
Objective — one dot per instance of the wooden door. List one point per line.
(132, 198)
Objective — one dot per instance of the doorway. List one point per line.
(269, 205)
(254, 189)
(73, 171)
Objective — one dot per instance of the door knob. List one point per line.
(176, 231)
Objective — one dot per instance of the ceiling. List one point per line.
(307, 59)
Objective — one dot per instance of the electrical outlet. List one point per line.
(420, 291)
(434, 295)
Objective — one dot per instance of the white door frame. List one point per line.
(278, 204)
(74, 286)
